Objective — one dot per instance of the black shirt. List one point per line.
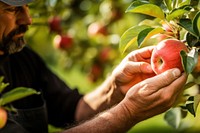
(27, 69)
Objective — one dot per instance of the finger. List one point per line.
(144, 53)
(177, 85)
(170, 93)
(167, 77)
(139, 67)
(159, 81)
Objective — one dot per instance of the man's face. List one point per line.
(14, 23)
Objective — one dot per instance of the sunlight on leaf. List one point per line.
(147, 9)
(148, 33)
(168, 3)
(183, 3)
(142, 35)
(151, 22)
(130, 37)
(176, 14)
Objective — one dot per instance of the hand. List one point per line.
(154, 95)
(133, 69)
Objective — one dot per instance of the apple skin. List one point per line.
(166, 55)
(3, 117)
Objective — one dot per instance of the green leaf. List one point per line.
(187, 25)
(192, 40)
(147, 33)
(168, 4)
(176, 14)
(188, 85)
(173, 117)
(147, 9)
(196, 24)
(16, 94)
(142, 35)
(184, 2)
(130, 37)
(192, 104)
(2, 84)
(189, 60)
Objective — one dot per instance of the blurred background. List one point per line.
(79, 41)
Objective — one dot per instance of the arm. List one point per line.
(144, 100)
(134, 68)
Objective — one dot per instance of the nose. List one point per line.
(23, 16)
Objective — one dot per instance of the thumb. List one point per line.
(166, 78)
(159, 81)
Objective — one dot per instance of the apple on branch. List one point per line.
(166, 55)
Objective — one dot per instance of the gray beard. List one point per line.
(12, 47)
(15, 47)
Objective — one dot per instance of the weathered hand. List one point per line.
(133, 69)
(154, 95)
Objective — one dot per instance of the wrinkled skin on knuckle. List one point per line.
(146, 89)
(142, 94)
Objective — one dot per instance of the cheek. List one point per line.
(7, 24)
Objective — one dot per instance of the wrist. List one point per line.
(114, 94)
(130, 111)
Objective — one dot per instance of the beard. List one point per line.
(10, 45)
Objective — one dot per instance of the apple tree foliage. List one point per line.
(178, 19)
(94, 26)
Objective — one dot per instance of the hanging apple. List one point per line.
(166, 55)
(63, 42)
(55, 24)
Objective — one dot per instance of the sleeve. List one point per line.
(60, 99)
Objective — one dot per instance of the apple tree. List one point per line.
(178, 19)
(79, 33)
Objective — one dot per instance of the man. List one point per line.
(132, 92)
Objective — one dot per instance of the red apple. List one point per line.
(63, 41)
(166, 55)
(55, 24)
(3, 117)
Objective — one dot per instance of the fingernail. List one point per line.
(176, 72)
